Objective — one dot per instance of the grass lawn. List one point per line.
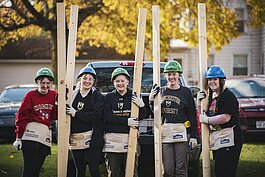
(252, 162)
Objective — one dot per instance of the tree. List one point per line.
(257, 12)
(113, 24)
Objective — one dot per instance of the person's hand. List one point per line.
(200, 96)
(66, 97)
(204, 118)
(193, 143)
(18, 144)
(133, 122)
(154, 91)
(66, 93)
(70, 110)
(137, 100)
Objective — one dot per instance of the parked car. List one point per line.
(10, 100)
(250, 92)
(146, 139)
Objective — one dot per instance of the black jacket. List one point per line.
(90, 117)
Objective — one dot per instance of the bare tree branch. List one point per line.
(40, 19)
(89, 10)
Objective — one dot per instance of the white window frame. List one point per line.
(248, 62)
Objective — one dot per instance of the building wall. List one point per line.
(23, 71)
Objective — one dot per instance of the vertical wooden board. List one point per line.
(62, 121)
(137, 80)
(157, 101)
(203, 68)
(71, 51)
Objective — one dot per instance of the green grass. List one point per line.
(11, 163)
(252, 162)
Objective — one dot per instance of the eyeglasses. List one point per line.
(88, 79)
(44, 83)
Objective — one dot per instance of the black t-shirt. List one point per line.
(227, 104)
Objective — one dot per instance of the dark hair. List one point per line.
(40, 78)
(210, 98)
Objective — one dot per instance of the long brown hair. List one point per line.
(210, 98)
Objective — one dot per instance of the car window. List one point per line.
(14, 94)
(104, 75)
(247, 88)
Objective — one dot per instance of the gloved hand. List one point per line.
(18, 144)
(137, 100)
(193, 143)
(204, 118)
(70, 110)
(154, 91)
(200, 96)
(66, 97)
(133, 122)
(66, 93)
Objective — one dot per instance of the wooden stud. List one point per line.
(203, 68)
(157, 101)
(62, 121)
(137, 80)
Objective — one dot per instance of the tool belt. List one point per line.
(222, 138)
(80, 140)
(116, 142)
(38, 132)
(174, 132)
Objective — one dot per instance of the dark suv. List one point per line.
(10, 100)
(146, 139)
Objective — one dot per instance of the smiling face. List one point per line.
(121, 84)
(172, 79)
(87, 81)
(44, 85)
(214, 84)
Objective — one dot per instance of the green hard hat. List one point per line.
(172, 66)
(119, 71)
(44, 72)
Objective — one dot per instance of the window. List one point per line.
(240, 20)
(210, 60)
(240, 65)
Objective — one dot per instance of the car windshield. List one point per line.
(253, 88)
(14, 94)
(104, 83)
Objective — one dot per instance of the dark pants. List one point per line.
(34, 155)
(116, 163)
(226, 159)
(94, 156)
(175, 159)
(79, 158)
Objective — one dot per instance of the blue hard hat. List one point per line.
(87, 70)
(215, 72)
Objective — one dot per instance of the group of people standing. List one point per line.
(101, 124)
